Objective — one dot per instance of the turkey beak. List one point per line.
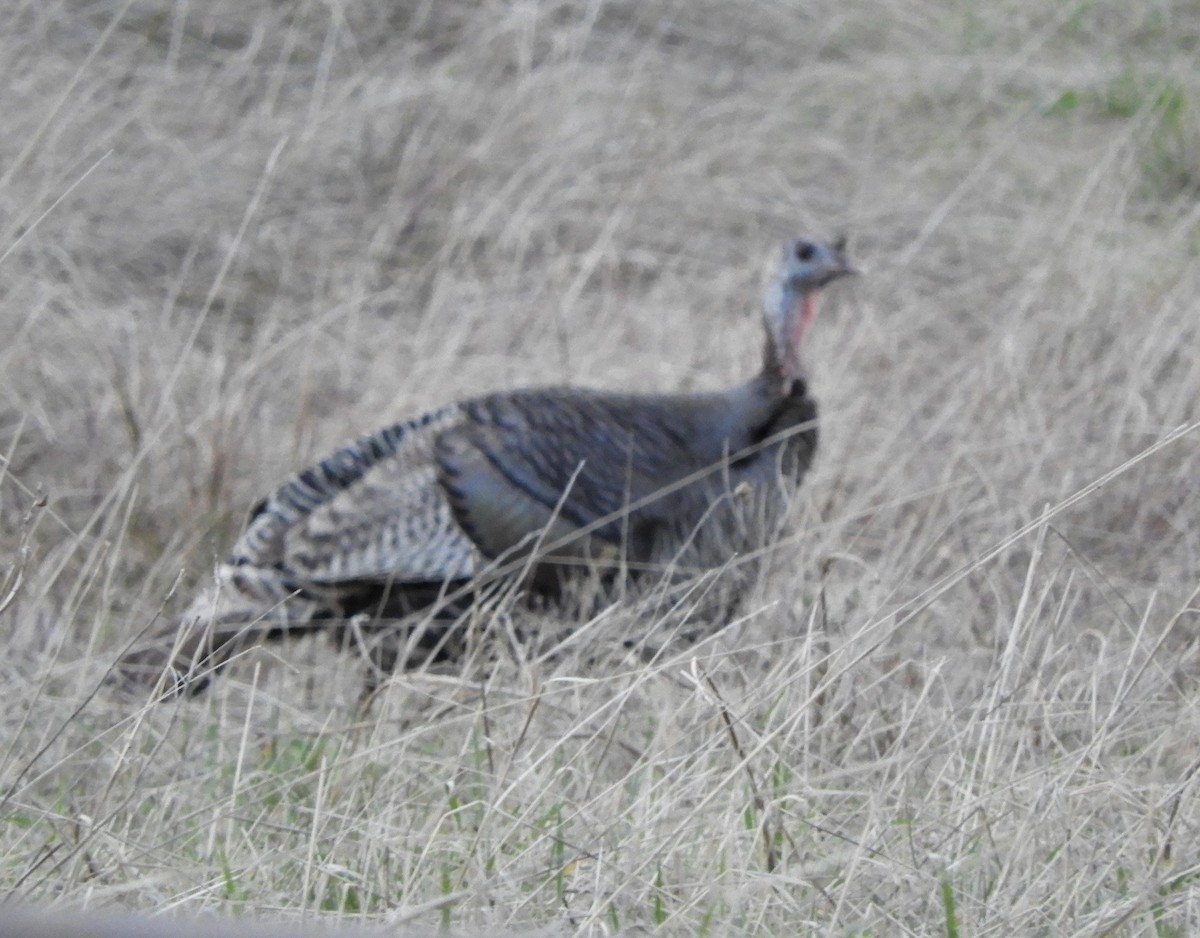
(843, 268)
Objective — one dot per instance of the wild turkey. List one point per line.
(527, 483)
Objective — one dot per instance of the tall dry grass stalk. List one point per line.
(963, 700)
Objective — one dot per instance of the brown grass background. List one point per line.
(236, 234)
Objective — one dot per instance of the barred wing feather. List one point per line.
(372, 511)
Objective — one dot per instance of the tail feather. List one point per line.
(245, 607)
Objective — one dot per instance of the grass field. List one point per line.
(965, 700)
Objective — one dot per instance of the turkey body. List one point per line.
(575, 473)
(532, 485)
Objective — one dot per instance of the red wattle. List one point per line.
(803, 313)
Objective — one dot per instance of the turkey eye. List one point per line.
(804, 251)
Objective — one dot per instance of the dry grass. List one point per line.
(233, 235)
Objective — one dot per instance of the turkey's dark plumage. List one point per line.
(538, 481)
